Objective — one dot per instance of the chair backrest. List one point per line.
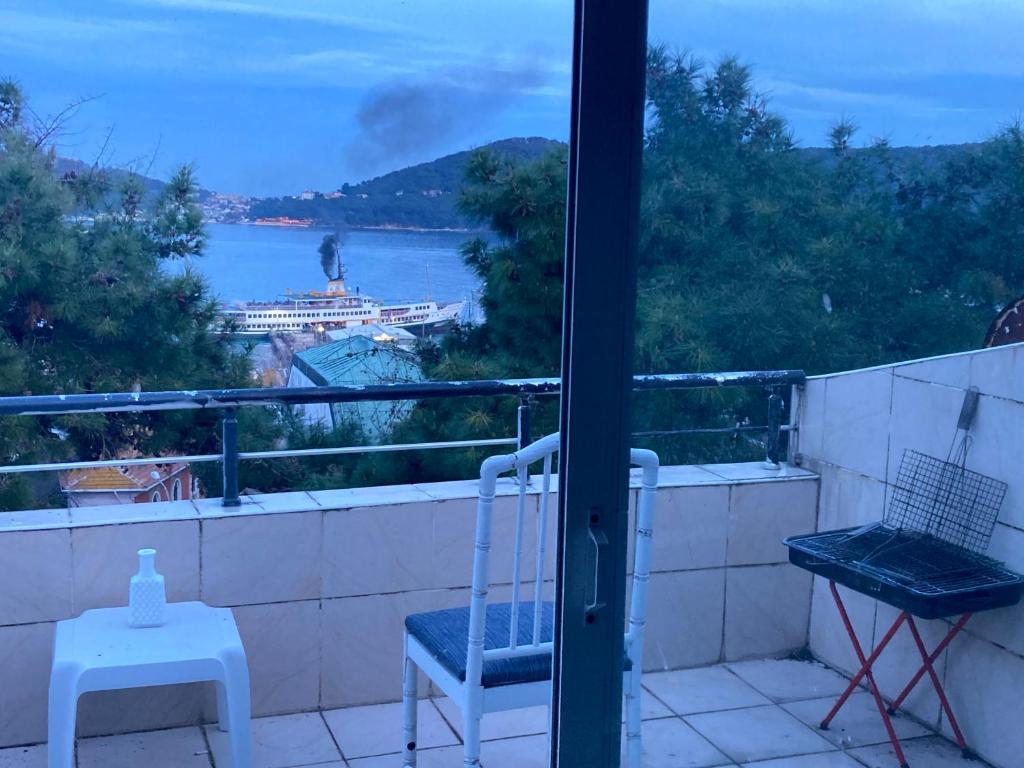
(526, 620)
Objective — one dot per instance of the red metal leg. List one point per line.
(931, 660)
(928, 659)
(865, 671)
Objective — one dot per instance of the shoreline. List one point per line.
(327, 227)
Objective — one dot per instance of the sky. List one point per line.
(270, 97)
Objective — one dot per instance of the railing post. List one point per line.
(523, 422)
(229, 436)
(773, 439)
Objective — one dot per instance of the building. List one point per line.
(383, 334)
(130, 484)
(357, 360)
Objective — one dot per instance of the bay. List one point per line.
(245, 262)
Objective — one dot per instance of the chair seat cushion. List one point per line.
(445, 634)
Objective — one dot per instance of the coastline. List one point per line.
(328, 227)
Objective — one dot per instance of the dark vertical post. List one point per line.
(523, 427)
(773, 440)
(602, 211)
(229, 438)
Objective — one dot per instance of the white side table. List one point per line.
(99, 651)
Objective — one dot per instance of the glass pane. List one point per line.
(830, 189)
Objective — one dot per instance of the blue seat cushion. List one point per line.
(445, 634)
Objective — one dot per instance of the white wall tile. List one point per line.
(685, 612)
(26, 653)
(378, 549)
(1000, 371)
(455, 531)
(901, 660)
(35, 584)
(117, 514)
(362, 644)
(984, 685)
(762, 514)
(924, 419)
(373, 496)
(690, 528)
(997, 450)
(140, 709)
(1004, 626)
(848, 498)
(828, 639)
(951, 370)
(810, 436)
(756, 470)
(105, 559)
(767, 610)
(261, 558)
(282, 646)
(855, 433)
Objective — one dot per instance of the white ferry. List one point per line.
(335, 308)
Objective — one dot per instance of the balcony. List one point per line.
(743, 654)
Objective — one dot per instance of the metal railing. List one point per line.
(229, 400)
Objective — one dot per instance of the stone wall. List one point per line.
(854, 428)
(320, 584)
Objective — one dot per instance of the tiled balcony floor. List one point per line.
(759, 713)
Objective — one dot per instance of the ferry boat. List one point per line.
(334, 309)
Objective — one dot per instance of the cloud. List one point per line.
(294, 10)
(834, 95)
(26, 28)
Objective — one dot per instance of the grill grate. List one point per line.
(910, 559)
(945, 500)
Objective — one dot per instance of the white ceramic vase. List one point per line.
(147, 600)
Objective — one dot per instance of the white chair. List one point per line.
(492, 657)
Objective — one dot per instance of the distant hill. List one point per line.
(908, 160)
(115, 177)
(422, 196)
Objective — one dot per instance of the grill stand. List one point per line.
(867, 663)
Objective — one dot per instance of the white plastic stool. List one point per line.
(99, 651)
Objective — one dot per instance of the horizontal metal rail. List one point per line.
(251, 455)
(229, 400)
(132, 402)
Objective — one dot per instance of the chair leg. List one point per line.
(634, 718)
(223, 710)
(238, 707)
(471, 730)
(410, 673)
(63, 706)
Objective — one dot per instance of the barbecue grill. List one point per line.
(925, 558)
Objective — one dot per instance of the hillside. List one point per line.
(114, 179)
(419, 197)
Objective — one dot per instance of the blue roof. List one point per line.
(357, 360)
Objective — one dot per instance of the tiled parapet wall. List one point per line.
(854, 428)
(320, 584)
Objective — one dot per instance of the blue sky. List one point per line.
(275, 96)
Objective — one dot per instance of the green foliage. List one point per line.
(86, 307)
(753, 255)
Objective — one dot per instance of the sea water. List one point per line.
(243, 262)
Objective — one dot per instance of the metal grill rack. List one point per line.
(945, 500)
(913, 571)
(925, 558)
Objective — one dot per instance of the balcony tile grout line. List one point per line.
(334, 739)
